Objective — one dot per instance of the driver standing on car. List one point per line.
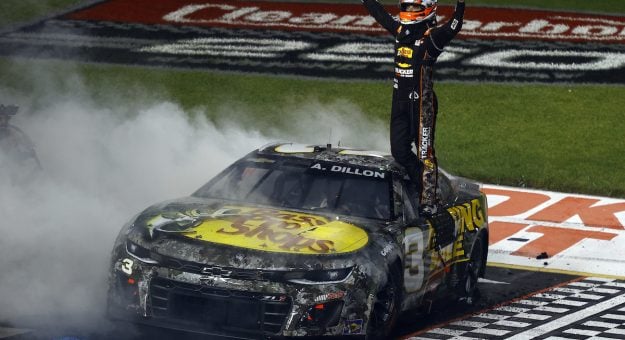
(418, 43)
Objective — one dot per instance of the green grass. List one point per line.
(557, 137)
(14, 11)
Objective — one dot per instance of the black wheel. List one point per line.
(467, 289)
(385, 308)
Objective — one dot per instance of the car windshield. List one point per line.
(340, 189)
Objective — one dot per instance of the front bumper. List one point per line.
(246, 308)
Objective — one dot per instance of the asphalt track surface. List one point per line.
(515, 303)
(499, 287)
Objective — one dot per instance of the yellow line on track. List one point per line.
(555, 271)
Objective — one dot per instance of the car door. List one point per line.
(416, 243)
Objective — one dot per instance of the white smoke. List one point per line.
(102, 166)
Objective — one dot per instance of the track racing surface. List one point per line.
(556, 261)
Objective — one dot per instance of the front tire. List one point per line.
(385, 308)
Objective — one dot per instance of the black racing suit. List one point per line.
(414, 109)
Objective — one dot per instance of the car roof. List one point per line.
(336, 154)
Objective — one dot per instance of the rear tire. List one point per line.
(467, 290)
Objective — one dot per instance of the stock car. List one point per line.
(297, 240)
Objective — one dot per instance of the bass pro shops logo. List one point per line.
(405, 52)
(274, 231)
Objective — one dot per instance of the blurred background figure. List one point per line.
(18, 159)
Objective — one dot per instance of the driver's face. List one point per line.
(413, 8)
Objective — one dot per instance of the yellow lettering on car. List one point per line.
(279, 231)
(478, 212)
(469, 215)
(458, 246)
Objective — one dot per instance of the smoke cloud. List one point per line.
(101, 167)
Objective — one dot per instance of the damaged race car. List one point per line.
(297, 240)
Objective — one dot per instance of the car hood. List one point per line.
(252, 227)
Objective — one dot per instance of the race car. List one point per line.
(299, 240)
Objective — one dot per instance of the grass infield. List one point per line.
(558, 137)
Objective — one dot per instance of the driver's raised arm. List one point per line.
(380, 15)
(445, 33)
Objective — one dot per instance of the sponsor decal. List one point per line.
(425, 142)
(266, 229)
(405, 52)
(497, 45)
(229, 47)
(386, 250)
(454, 24)
(485, 23)
(404, 73)
(330, 296)
(428, 164)
(576, 233)
(526, 59)
(353, 327)
(278, 15)
(469, 215)
(350, 170)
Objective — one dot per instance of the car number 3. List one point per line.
(127, 266)
(414, 268)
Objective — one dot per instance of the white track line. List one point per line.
(569, 319)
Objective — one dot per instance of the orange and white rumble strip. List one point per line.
(556, 232)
